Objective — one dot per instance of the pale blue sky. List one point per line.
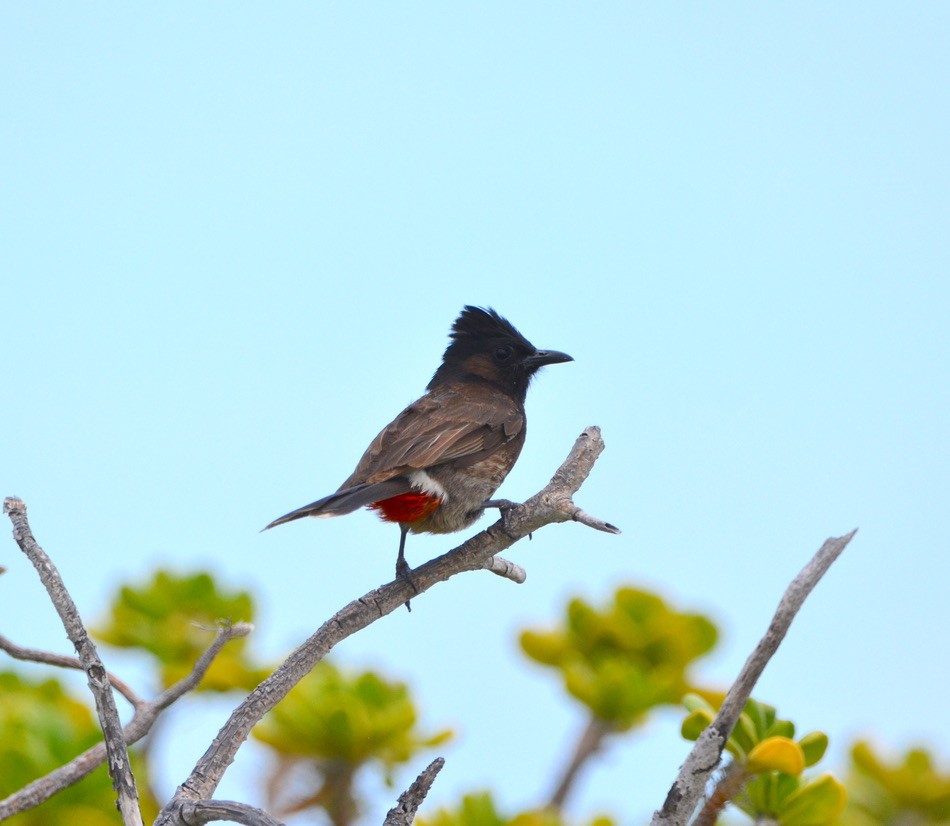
(233, 238)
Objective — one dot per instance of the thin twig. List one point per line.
(727, 787)
(552, 504)
(34, 655)
(506, 569)
(119, 769)
(410, 800)
(143, 719)
(593, 522)
(707, 751)
(198, 812)
(588, 745)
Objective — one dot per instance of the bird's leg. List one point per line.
(402, 567)
(403, 571)
(505, 506)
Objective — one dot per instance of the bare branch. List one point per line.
(141, 723)
(197, 812)
(588, 745)
(727, 787)
(227, 631)
(119, 770)
(404, 811)
(63, 661)
(593, 522)
(506, 569)
(707, 751)
(552, 504)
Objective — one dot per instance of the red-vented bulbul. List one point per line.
(435, 466)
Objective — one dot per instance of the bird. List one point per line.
(435, 467)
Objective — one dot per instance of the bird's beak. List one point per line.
(542, 357)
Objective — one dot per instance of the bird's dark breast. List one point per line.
(468, 487)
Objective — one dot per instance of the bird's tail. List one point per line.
(347, 500)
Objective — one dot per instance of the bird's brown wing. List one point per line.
(447, 425)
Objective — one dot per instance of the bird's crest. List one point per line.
(484, 325)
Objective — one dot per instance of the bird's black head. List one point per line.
(487, 346)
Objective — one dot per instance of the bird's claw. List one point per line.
(404, 574)
(501, 504)
(505, 507)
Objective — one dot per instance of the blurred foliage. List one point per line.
(771, 761)
(336, 723)
(626, 658)
(620, 660)
(479, 810)
(909, 792)
(174, 617)
(43, 727)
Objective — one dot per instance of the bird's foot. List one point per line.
(505, 507)
(502, 504)
(404, 574)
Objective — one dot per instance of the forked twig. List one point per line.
(554, 503)
(706, 753)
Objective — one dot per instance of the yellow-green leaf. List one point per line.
(814, 744)
(695, 723)
(816, 804)
(545, 648)
(776, 754)
(694, 702)
(744, 734)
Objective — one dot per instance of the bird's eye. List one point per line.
(503, 353)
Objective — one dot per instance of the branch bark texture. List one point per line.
(410, 800)
(98, 678)
(199, 812)
(706, 753)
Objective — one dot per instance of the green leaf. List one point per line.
(744, 733)
(814, 804)
(814, 745)
(695, 723)
(781, 728)
(763, 715)
(694, 702)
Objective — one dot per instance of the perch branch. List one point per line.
(141, 723)
(410, 800)
(552, 504)
(119, 770)
(707, 751)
